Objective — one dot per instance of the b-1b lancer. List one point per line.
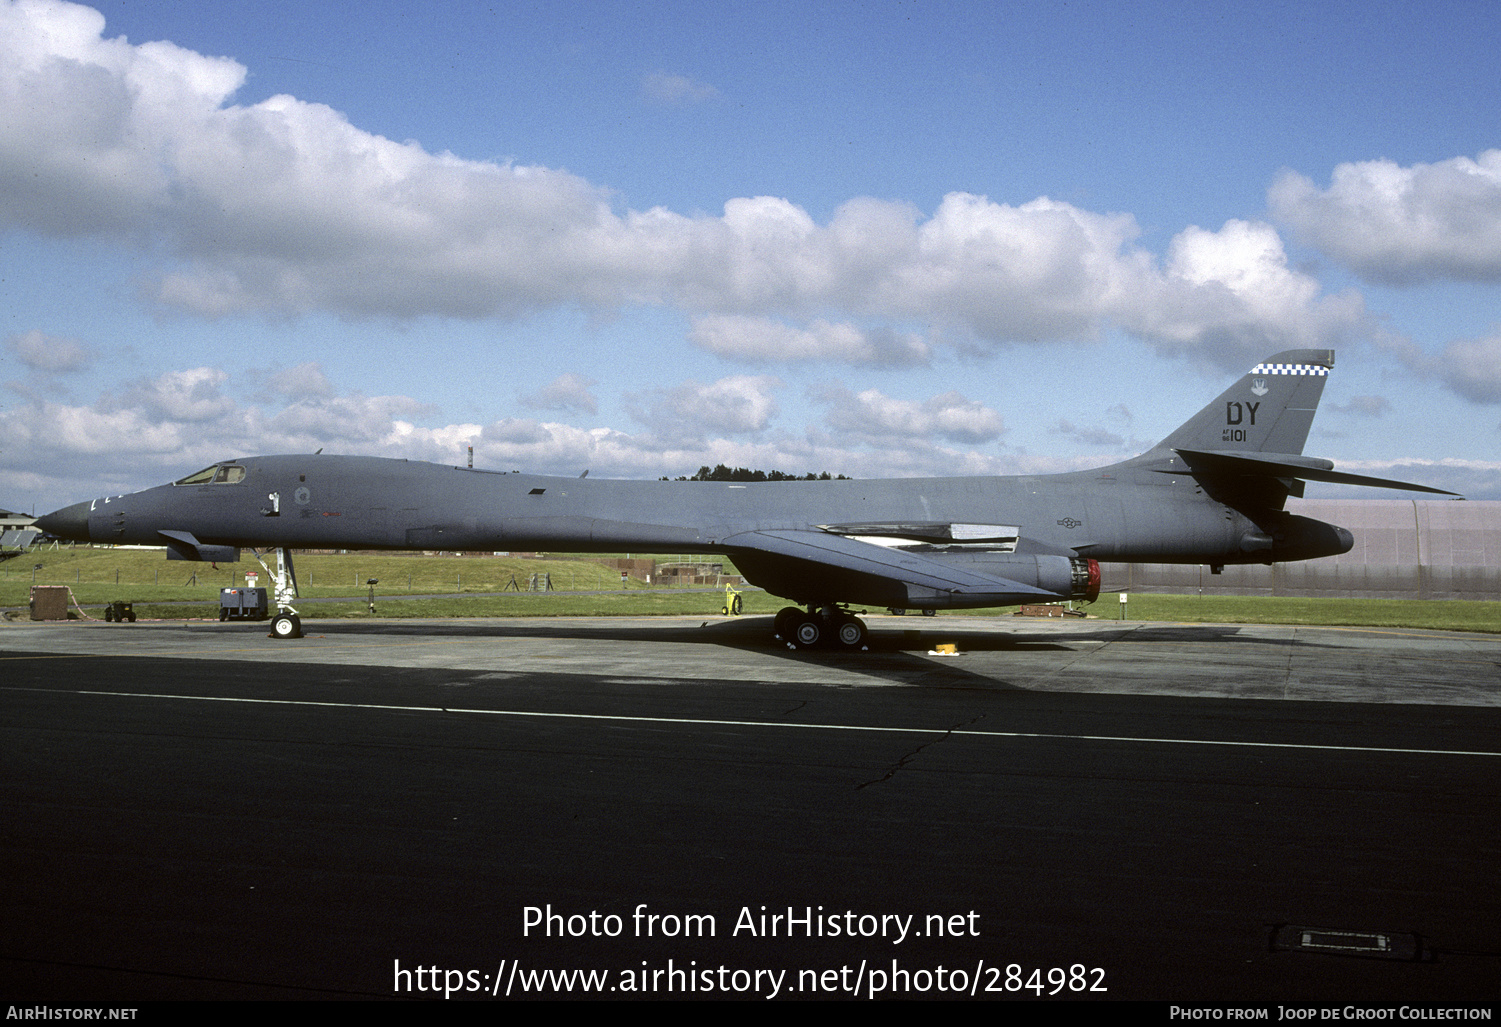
(1213, 492)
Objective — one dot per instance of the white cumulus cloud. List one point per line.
(1402, 225)
(872, 415)
(284, 207)
(756, 340)
(1231, 294)
(49, 354)
(181, 396)
(1472, 368)
(736, 405)
(566, 392)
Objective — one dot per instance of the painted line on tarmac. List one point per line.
(708, 722)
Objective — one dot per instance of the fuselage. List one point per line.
(1124, 512)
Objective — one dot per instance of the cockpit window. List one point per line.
(223, 474)
(203, 477)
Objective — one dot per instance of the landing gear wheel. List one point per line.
(850, 633)
(286, 625)
(782, 623)
(807, 631)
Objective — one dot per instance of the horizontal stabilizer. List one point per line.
(1286, 465)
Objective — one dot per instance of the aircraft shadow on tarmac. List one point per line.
(901, 655)
(752, 634)
(755, 634)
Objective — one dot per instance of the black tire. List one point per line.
(850, 633)
(223, 614)
(131, 616)
(109, 614)
(736, 606)
(807, 631)
(286, 625)
(784, 620)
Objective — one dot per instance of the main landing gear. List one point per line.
(828, 627)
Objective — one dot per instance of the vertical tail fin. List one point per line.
(1246, 448)
(1269, 410)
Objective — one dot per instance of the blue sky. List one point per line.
(869, 238)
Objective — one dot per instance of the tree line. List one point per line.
(722, 473)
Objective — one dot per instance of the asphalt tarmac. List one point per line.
(675, 807)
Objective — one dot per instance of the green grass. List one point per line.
(632, 604)
(147, 579)
(556, 604)
(103, 575)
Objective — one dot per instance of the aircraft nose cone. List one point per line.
(71, 522)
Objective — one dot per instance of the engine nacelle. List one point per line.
(1086, 580)
(1065, 577)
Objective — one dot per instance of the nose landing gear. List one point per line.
(286, 623)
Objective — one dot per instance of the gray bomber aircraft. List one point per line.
(1213, 492)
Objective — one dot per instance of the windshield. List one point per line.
(221, 474)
